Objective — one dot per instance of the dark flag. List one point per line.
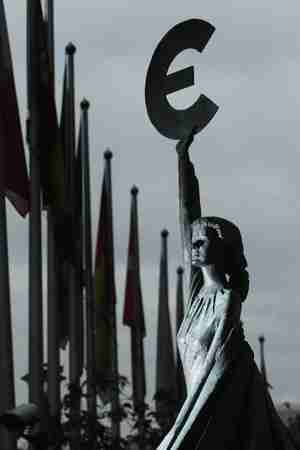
(105, 294)
(65, 229)
(133, 308)
(13, 177)
(79, 243)
(89, 322)
(42, 100)
(63, 126)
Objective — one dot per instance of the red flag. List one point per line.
(13, 177)
(133, 308)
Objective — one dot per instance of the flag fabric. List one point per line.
(65, 226)
(165, 395)
(46, 139)
(67, 238)
(79, 204)
(42, 103)
(64, 128)
(79, 242)
(62, 259)
(133, 315)
(74, 254)
(180, 381)
(13, 177)
(105, 294)
(89, 311)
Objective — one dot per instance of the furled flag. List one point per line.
(79, 242)
(66, 228)
(43, 118)
(73, 252)
(64, 129)
(105, 293)
(165, 395)
(133, 307)
(13, 175)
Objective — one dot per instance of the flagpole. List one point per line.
(14, 185)
(263, 369)
(52, 286)
(51, 40)
(180, 381)
(7, 398)
(78, 228)
(74, 375)
(137, 335)
(115, 404)
(165, 363)
(36, 350)
(134, 317)
(89, 289)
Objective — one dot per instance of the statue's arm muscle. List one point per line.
(189, 206)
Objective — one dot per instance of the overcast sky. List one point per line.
(247, 158)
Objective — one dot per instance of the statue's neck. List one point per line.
(212, 277)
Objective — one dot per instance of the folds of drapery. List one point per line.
(228, 406)
(224, 349)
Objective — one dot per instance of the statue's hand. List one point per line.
(183, 145)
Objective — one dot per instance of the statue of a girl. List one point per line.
(228, 406)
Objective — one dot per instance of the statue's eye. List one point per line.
(198, 243)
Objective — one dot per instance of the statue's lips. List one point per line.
(198, 257)
(197, 260)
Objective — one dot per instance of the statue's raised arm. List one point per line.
(189, 200)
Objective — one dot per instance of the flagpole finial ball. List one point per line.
(164, 233)
(108, 154)
(85, 104)
(261, 338)
(180, 270)
(70, 49)
(134, 190)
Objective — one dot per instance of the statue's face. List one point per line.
(206, 248)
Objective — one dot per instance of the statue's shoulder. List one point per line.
(228, 300)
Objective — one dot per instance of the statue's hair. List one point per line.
(235, 263)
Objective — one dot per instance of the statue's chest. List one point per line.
(197, 330)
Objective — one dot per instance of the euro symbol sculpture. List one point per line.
(170, 122)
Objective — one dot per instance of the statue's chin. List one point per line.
(197, 264)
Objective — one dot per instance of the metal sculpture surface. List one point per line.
(228, 405)
(170, 122)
